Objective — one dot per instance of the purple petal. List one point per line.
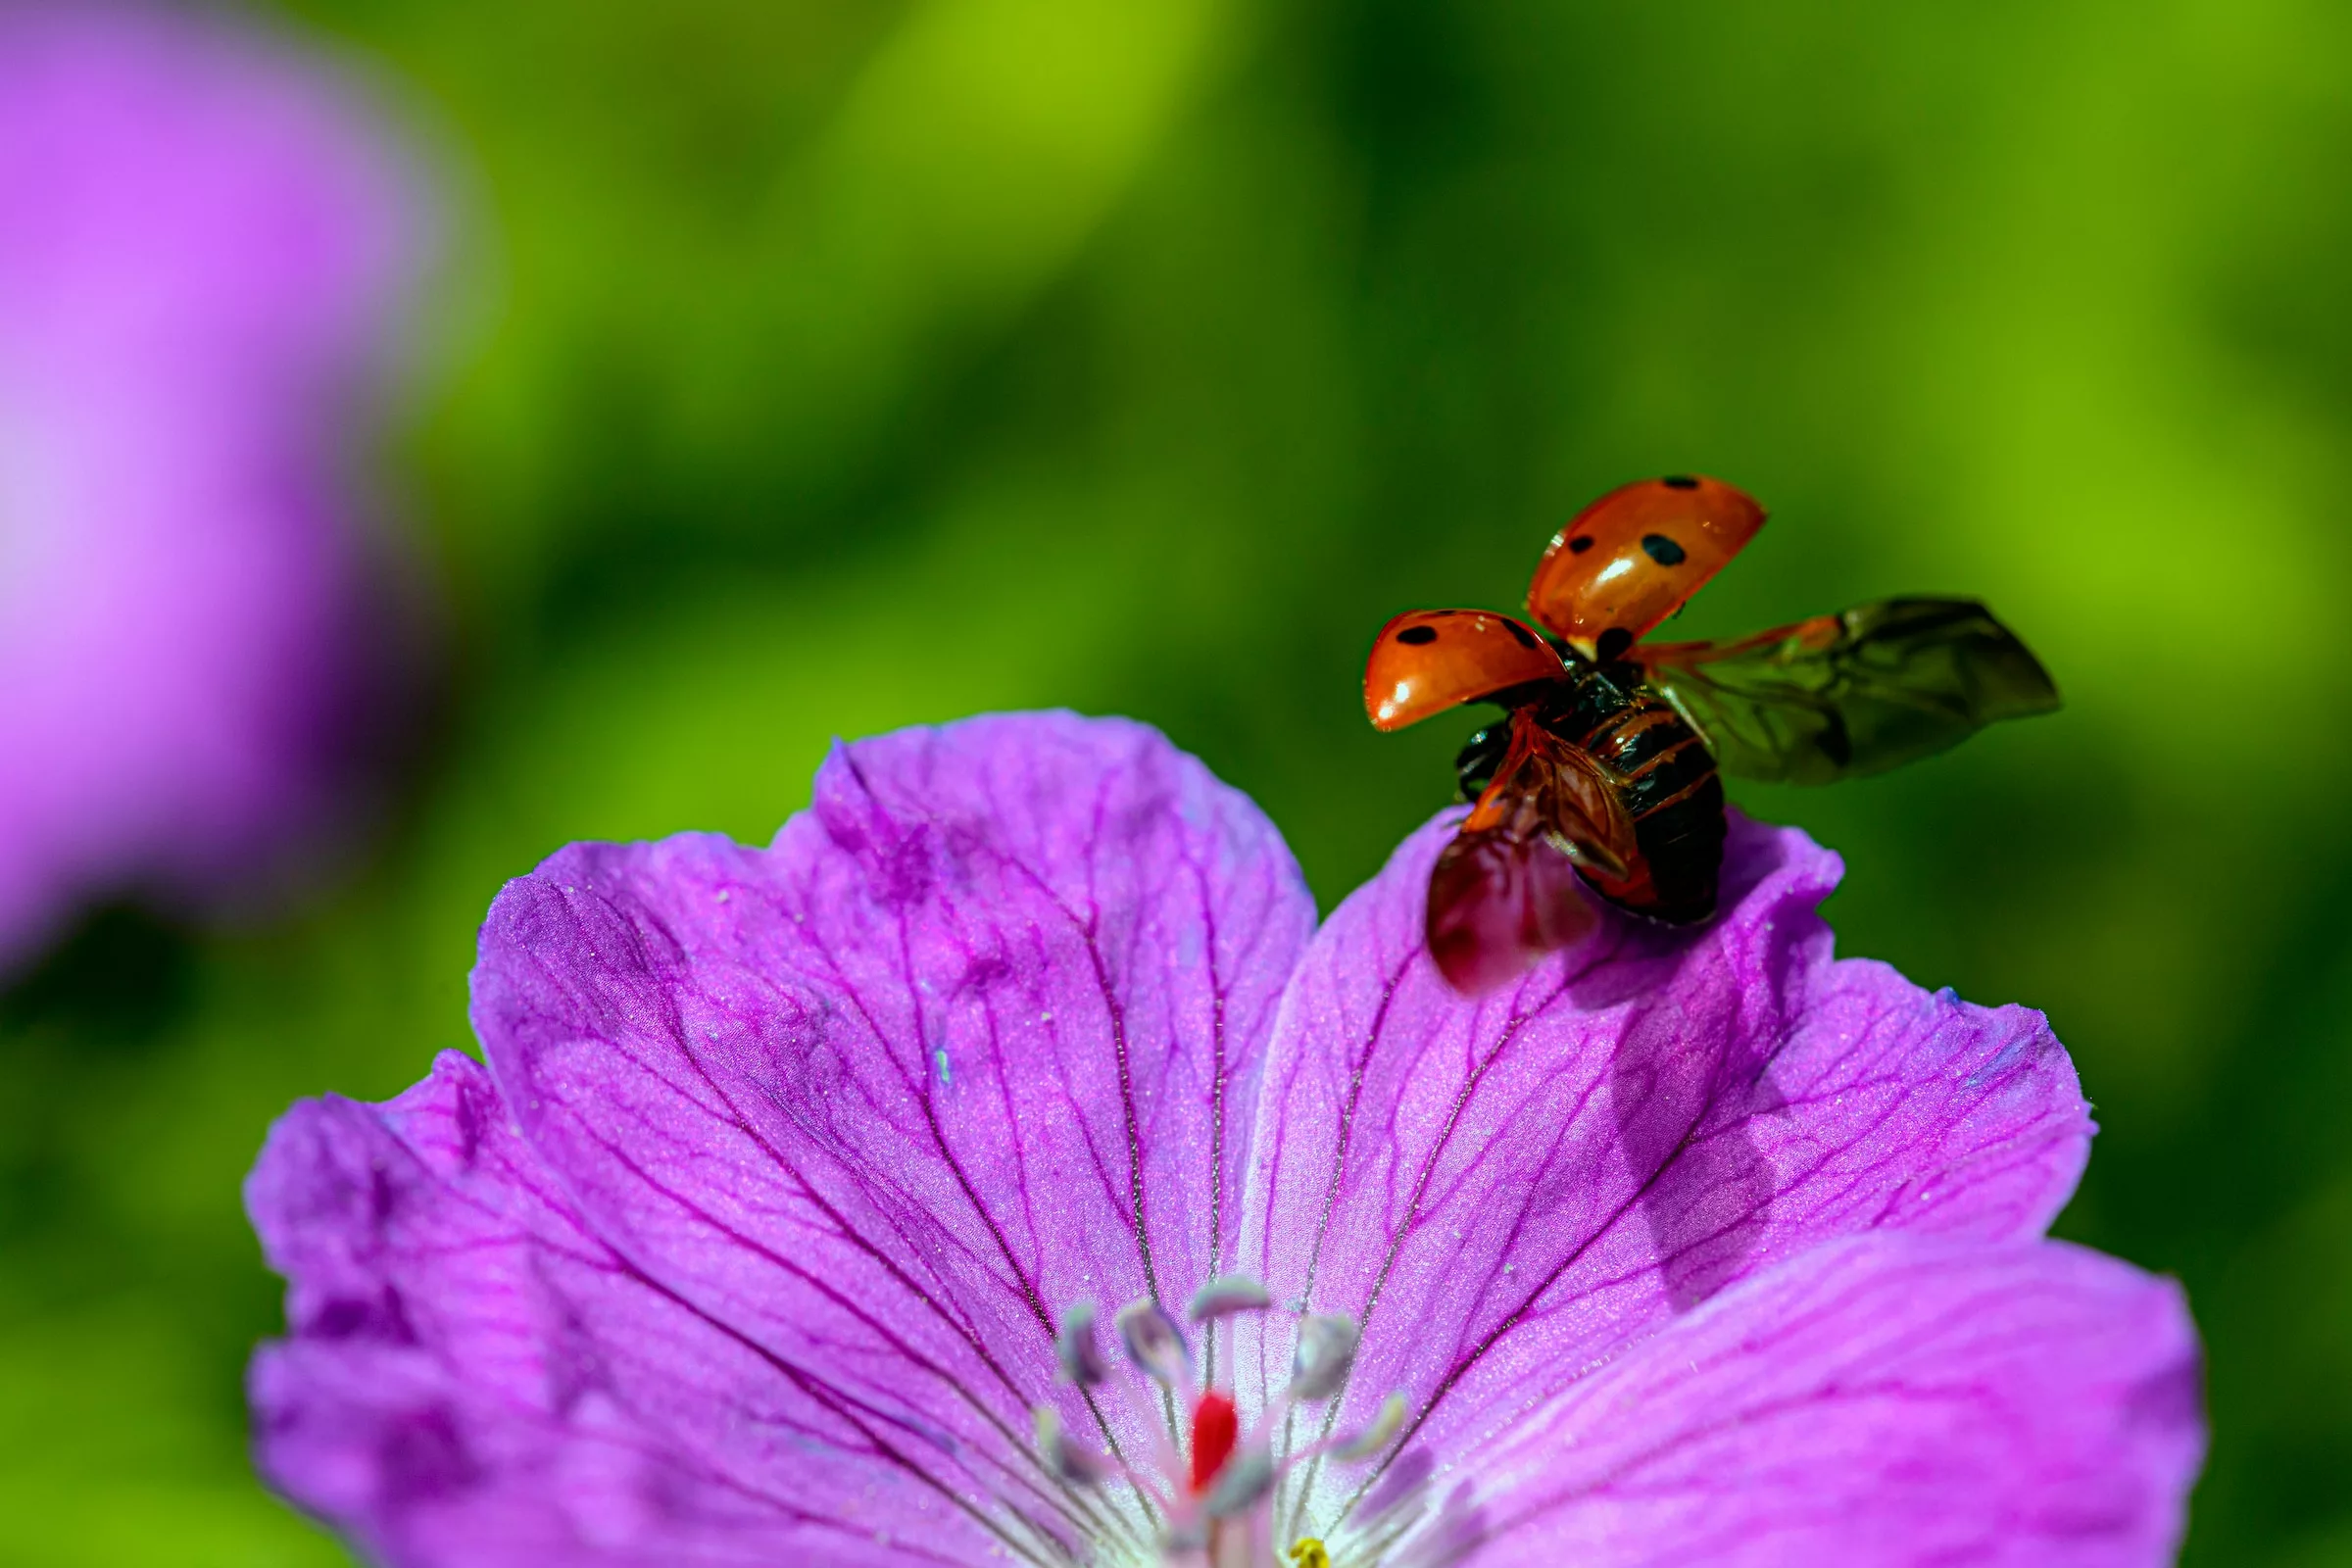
(472, 1378)
(1507, 1192)
(1878, 1400)
(976, 1040)
(206, 242)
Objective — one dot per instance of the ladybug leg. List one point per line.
(1474, 766)
(1481, 757)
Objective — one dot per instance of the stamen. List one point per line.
(1325, 1354)
(1063, 1457)
(1074, 1346)
(1386, 1424)
(1241, 1485)
(1155, 1343)
(1227, 1295)
(1206, 1485)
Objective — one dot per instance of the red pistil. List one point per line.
(1215, 1430)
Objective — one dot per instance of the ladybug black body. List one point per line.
(1660, 770)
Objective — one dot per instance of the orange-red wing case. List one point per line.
(1426, 661)
(1632, 559)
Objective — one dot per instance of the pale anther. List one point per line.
(1063, 1457)
(1184, 1536)
(1228, 1294)
(1241, 1484)
(1387, 1422)
(1074, 1345)
(1325, 1353)
(1154, 1341)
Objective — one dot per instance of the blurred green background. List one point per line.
(825, 366)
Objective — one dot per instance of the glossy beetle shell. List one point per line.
(1633, 557)
(1426, 661)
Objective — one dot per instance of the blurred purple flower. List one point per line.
(760, 1240)
(204, 249)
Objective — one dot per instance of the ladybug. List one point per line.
(1604, 776)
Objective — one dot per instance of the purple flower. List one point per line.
(1002, 1167)
(202, 244)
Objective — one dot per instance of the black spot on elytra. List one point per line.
(1678, 481)
(1417, 635)
(1580, 543)
(1614, 643)
(1662, 550)
(1526, 638)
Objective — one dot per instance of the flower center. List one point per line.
(1212, 1487)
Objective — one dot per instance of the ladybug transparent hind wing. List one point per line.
(1505, 890)
(1857, 693)
(1498, 905)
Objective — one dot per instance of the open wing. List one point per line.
(1633, 557)
(1506, 891)
(1497, 904)
(1426, 661)
(1842, 696)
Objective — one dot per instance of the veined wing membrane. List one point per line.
(1547, 789)
(1504, 892)
(1846, 694)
